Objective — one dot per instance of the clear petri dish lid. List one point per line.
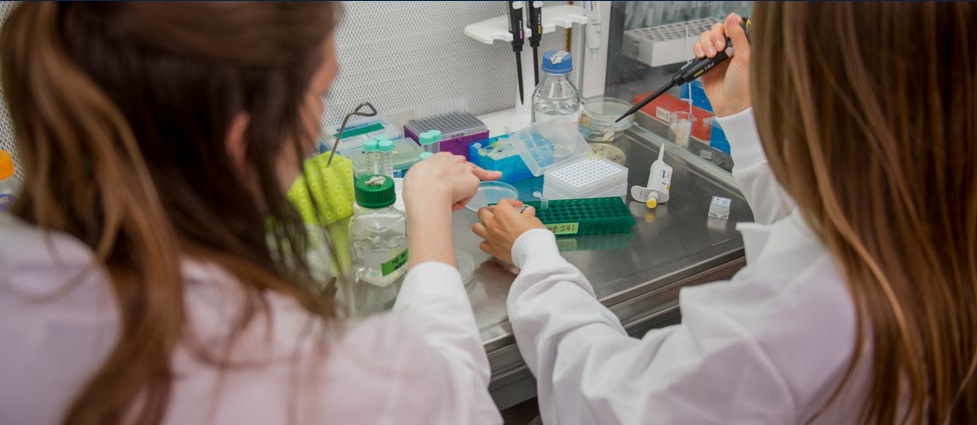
(490, 193)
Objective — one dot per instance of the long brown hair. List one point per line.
(868, 114)
(121, 112)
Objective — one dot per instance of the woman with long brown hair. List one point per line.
(858, 303)
(138, 282)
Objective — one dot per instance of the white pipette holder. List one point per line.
(497, 28)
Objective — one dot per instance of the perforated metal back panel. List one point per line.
(397, 55)
(401, 54)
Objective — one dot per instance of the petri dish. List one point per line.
(490, 193)
(597, 119)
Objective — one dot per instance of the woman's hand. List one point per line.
(432, 189)
(441, 180)
(727, 85)
(501, 225)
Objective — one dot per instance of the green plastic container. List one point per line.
(592, 216)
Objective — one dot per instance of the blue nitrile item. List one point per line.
(699, 98)
(497, 154)
(717, 139)
(563, 65)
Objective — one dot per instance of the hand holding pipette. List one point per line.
(728, 85)
(712, 54)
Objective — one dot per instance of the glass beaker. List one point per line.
(680, 128)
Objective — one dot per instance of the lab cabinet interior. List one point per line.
(637, 275)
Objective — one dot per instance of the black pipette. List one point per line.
(515, 28)
(690, 72)
(536, 26)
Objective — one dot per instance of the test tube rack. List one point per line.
(664, 44)
(590, 216)
(458, 131)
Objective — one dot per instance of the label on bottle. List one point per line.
(564, 228)
(395, 263)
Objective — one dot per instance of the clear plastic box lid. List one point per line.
(549, 145)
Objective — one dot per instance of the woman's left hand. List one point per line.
(502, 224)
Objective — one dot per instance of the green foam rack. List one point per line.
(591, 216)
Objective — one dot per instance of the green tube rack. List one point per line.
(590, 216)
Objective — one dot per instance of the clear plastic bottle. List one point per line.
(385, 157)
(431, 141)
(8, 183)
(556, 97)
(378, 232)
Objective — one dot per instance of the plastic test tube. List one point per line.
(430, 141)
(370, 153)
(543, 202)
(385, 157)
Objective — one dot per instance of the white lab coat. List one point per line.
(422, 364)
(768, 346)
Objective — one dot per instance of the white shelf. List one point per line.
(563, 16)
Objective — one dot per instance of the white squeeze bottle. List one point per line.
(659, 182)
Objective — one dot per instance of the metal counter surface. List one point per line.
(636, 275)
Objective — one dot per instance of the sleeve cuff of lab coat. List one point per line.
(429, 281)
(744, 138)
(541, 243)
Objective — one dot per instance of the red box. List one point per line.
(662, 108)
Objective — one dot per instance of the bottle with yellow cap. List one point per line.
(8, 184)
(659, 183)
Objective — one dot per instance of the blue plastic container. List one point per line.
(491, 154)
(717, 139)
(699, 98)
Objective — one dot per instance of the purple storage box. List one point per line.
(458, 131)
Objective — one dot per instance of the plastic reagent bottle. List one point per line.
(8, 184)
(378, 232)
(431, 141)
(659, 183)
(556, 97)
(370, 152)
(385, 157)
(424, 155)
